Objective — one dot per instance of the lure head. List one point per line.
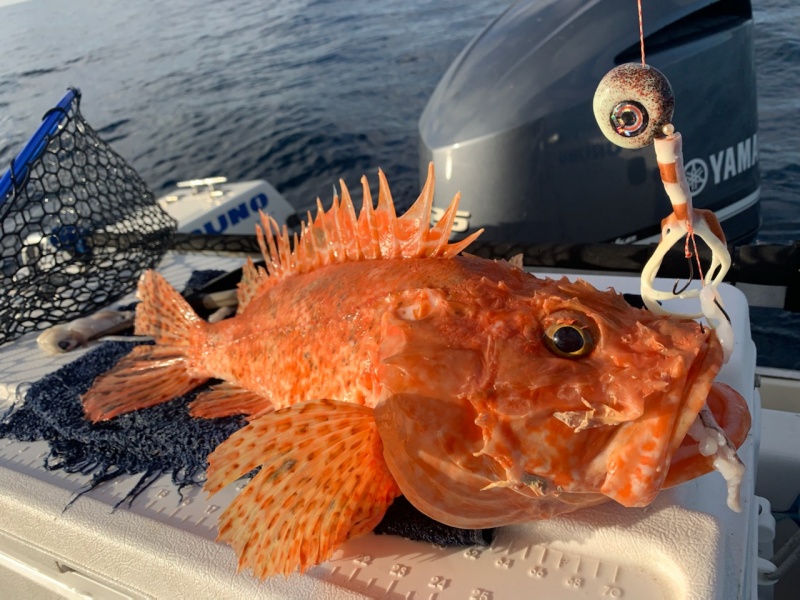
(511, 401)
(632, 104)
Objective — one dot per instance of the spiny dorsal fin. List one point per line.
(339, 236)
(253, 280)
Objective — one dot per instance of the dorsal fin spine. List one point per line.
(320, 239)
(354, 251)
(338, 235)
(413, 226)
(331, 229)
(367, 228)
(321, 242)
(307, 240)
(322, 225)
(266, 235)
(284, 248)
(349, 225)
(300, 250)
(386, 220)
(440, 231)
(250, 283)
(262, 244)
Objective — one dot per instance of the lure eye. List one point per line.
(632, 104)
(629, 118)
(568, 341)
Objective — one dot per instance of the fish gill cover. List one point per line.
(77, 225)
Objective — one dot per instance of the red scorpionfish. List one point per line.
(374, 360)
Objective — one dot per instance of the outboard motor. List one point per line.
(511, 126)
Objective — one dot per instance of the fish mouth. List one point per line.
(714, 432)
(713, 420)
(711, 441)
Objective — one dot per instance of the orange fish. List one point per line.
(373, 360)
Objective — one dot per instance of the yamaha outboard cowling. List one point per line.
(511, 126)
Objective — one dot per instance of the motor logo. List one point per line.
(721, 166)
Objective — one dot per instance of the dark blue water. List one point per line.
(297, 92)
(304, 92)
(775, 332)
(778, 76)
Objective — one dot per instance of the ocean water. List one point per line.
(302, 92)
(299, 92)
(778, 78)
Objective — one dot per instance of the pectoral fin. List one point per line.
(323, 480)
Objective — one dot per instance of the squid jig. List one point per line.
(633, 106)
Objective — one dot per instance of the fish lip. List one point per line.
(699, 385)
(730, 412)
(641, 462)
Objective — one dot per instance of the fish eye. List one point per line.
(632, 104)
(568, 341)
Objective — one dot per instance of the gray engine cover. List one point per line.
(511, 127)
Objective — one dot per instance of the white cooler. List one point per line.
(686, 545)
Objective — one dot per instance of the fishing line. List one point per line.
(690, 239)
(697, 256)
(641, 29)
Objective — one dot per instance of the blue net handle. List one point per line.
(18, 171)
(79, 225)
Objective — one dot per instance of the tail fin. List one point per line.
(163, 313)
(150, 375)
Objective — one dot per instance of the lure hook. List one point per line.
(688, 283)
(633, 106)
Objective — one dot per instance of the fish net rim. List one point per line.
(78, 225)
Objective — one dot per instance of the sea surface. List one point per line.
(298, 92)
(302, 92)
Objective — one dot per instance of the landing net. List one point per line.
(77, 225)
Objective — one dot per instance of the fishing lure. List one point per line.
(633, 106)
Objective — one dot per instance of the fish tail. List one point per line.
(150, 375)
(164, 314)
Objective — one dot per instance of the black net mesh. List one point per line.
(78, 225)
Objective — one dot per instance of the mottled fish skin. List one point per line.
(522, 434)
(373, 360)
